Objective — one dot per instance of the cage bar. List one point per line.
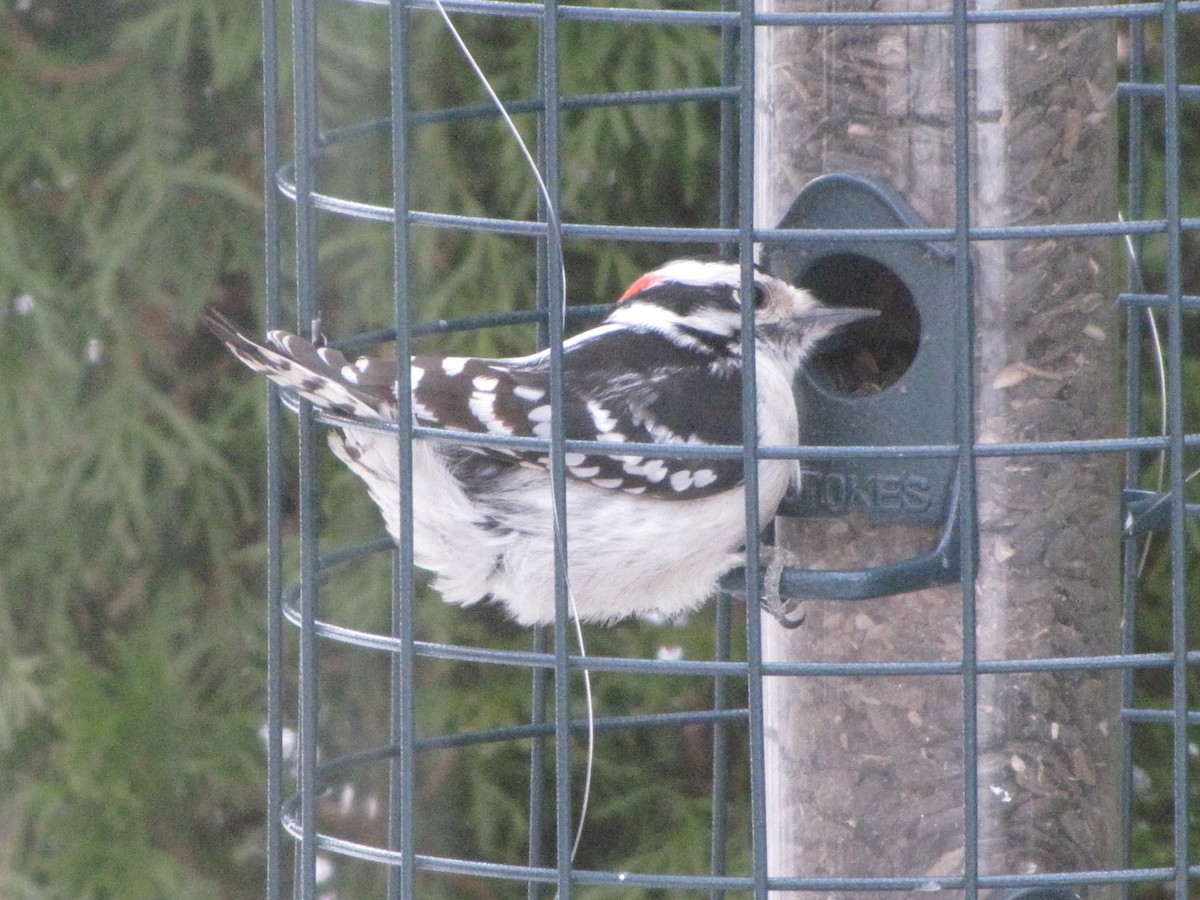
(964, 739)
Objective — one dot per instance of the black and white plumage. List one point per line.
(645, 534)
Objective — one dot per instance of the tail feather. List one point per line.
(321, 375)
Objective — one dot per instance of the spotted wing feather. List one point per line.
(315, 373)
(610, 395)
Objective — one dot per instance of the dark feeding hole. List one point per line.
(868, 356)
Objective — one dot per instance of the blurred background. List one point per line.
(132, 663)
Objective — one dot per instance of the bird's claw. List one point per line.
(781, 609)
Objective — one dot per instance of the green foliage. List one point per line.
(472, 166)
(130, 644)
(130, 675)
(145, 753)
(131, 670)
(1154, 783)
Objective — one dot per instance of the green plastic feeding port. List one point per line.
(887, 381)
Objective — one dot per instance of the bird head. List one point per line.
(690, 296)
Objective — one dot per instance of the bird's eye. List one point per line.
(760, 296)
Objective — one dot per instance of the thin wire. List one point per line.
(555, 224)
(1161, 370)
(551, 213)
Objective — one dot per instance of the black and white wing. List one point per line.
(321, 375)
(620, 386)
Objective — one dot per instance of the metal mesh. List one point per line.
(304, 638)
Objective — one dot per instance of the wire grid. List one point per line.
(292, 817)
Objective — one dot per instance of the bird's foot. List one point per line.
(783, 610)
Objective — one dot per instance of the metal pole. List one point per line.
(1049, 353)
(402, 764)
(273, 233)
(306, 145)
(867, 775)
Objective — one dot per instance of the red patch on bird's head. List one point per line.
(643, 283)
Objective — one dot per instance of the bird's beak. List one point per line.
(836, 316)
